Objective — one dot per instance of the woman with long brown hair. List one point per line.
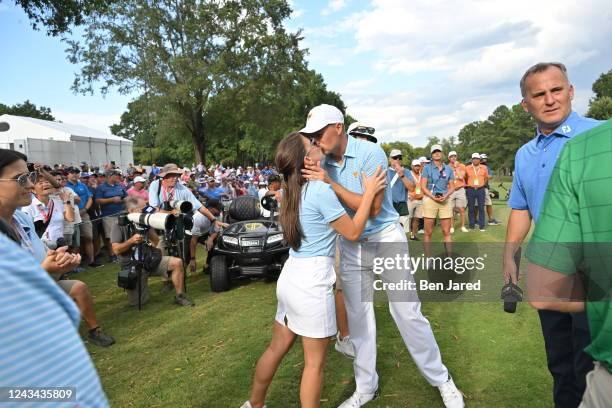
(311, 217)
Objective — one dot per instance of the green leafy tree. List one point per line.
(184, 52)
(57, 16)
(27, 109)
(600, 107)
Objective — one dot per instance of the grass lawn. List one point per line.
(166, 356)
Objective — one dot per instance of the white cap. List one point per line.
(355, 125)
(395, 152)
(424, 159)
(452, 153)
(139, 179)
(475, 156)
(321, 116)
(416, 162)
(435, 147)
(484, 156)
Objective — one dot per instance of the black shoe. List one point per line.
(99, 338)
(168, 287)
(182, 300)
(95, 264)
(414, 238)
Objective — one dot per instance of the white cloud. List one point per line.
(453, 62)
(333, 7)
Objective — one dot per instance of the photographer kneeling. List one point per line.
(171, 268)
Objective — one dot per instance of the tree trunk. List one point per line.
(197, 135)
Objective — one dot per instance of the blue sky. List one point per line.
(412, 69)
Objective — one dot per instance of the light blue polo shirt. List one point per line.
(319, 207)
(181, 193)
(535, 161)
(362, 156)
(30, 242)
(437, 181)
(399, 194)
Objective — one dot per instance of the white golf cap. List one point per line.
(321, 116)
(452, 153)
(395, 152)
(484, 156)
(435, 147)
(139, 179)
(475, 156)
(416, 162)
(424, 159)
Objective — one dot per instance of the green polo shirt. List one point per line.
(575, 228)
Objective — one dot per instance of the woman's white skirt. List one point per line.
(306, 298)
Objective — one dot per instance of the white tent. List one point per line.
(50, 142)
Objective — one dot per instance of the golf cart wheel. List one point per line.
(219, 274)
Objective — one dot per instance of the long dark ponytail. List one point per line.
(290, 155)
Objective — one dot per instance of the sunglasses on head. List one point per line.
(23, 179)
(363, 129)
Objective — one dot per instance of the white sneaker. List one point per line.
(452, 230)
(463, 229)
(482, 230)
(358, 400)
(421, 232)
(345, 346)
(451, 396)
(248, 405)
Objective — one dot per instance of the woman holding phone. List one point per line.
(311, 217)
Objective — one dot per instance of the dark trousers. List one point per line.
(565, 337)
(476, 197)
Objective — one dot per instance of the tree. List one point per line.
(58, 15)
(184, 52)
(27, 109)
(600, 107)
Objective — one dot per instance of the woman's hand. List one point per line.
(375, 183)
(313, 171)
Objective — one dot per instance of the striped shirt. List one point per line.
(39, 341)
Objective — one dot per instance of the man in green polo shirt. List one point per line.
(570, 252)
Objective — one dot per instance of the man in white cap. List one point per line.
(488, 202)
(362, 131)
(138, 190)
(437, 188)
(400, 184)
(476, 177)
(346, 159)
(415, 200)
(458, 198)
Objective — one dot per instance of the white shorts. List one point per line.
(306, 298)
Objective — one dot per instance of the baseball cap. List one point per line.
(139, 179)
(321, 116)
(416, 162)
(395, 152)
(210, 179)
(424, 159)
(85, 175)
(452, 153)
(262, 183)
(484, 156)
(475, 156)
(435, 147)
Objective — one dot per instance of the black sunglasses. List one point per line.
(22, 180)
(397, 157)
(364, 129)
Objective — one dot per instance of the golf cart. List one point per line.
(250, 246)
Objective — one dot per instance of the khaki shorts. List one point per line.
(433, 209)
(161, 270)
(458, 198)
(415, 208)
(598, 393)
(107, 224)
(66, 285)
(85, 227)
(487, 197)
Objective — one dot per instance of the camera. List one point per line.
(127, 278)
(183, 206)
(160, 221)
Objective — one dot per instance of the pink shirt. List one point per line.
(144, 194)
